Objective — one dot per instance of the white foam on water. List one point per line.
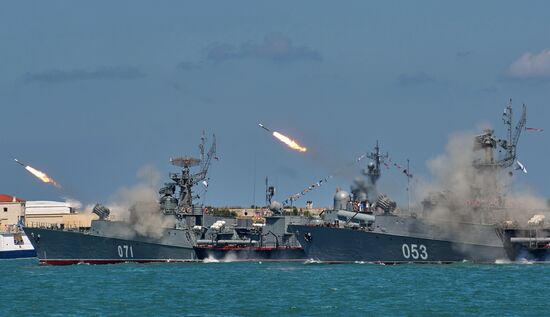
(210, 259)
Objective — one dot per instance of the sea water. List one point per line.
(273, 289)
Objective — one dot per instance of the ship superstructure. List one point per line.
(268, 240)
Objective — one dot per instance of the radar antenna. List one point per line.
(488, 142)
(186, 180)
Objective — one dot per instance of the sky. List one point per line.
(92, 92)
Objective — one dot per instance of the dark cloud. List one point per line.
(274, 47)
(101, 73)
(415, 78)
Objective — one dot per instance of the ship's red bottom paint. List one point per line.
(382, 262)
(115, 261)
(107, 261)
(233, 248)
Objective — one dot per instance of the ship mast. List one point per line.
(490, 164)
(409, 175)
(489, 143)
(269, 193)
(373, 170)
(186, 180)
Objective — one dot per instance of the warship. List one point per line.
(366, 226)
(269, 240)
(187, 232)
(116, 241)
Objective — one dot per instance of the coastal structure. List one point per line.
(13, 242)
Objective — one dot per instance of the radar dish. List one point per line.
(185, 161)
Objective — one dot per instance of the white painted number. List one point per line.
(423, 252)
(415, 251)
(404, 248)
(125, 251)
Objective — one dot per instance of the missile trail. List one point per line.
(39, 174)
(284, 139)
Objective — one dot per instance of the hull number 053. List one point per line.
(415, 251)
(125, 251)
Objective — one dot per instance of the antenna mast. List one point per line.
(186, 180)
(489, 143)
(373, 171)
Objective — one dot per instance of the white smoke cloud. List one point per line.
(78, 205)
(74, 203)
(150, 175)
(139, 205)
(468, 189)
(531, 66)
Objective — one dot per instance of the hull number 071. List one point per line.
(125, 251)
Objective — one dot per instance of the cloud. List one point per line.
(530, 66)
(274, 47)
(415, 78)
(101, 73)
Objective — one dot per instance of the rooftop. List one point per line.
(9, 199)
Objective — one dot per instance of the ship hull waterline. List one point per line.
(58, 247)
(339, 245)
(250, 254)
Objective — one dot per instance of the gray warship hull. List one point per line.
(340, 245)
(109, 242)
(64, 247)
(400, 240)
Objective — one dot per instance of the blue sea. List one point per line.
(273, 289)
